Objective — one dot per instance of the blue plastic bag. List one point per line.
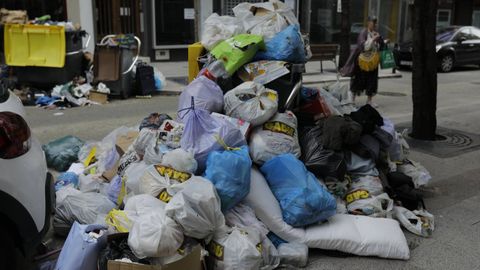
(303, 199)
(114, 189)
(285, 46)
(80, 250)
(229, 171)
(66, 179)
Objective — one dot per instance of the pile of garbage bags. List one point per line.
(253, 186)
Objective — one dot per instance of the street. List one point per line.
(453, 195)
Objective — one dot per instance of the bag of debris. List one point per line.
(146, 138)
(155, 235)
(61, 153)
(229, 171)
(285, 46)
(196, 208)
(80, 250)
(171, 134)
(360, 202)
(218, 28)
(202, 132)
(251, 102)
(303, 199)
(237, 51)
(416, 171)
(83, 208)
(419, 222)
(277, 136)
(294, 254)
(204, 94)
(265, 19)
(321, 161)
(240, 248)
(154, 121)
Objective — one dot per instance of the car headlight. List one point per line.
(437, 48)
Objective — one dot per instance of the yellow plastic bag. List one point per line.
(119, 220)
(368, 61)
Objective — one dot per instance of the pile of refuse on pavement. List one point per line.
(238, 179)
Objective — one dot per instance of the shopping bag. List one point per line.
(386, 59)
(237, 51)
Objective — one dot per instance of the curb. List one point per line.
(343, 79)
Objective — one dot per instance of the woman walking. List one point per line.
(362, 65)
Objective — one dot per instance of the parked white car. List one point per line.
(26, 187)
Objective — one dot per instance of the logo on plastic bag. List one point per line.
(164, 196)
(358, 194)
(216, 250)
(279, 127)
(172, 173)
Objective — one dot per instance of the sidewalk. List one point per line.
(177, 74)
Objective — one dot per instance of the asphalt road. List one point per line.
(453, 196)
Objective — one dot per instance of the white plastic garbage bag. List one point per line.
(420, 176)
(121, 220)
(399, 149)
(359, 202)
(155, 235)
(239, 249)
(419, 222)
(180, 160)
(219, 28)
(243, 216)
(146, 138)
(270, 257)
(144, 204)
(197, 209)
(83, 207)
(295, 254)
(62, 193)
(252, 102)
(132, 176)
(277, 136)
(270, 18)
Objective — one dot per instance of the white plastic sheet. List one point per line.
(419, 222)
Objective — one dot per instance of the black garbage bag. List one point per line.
(368, 117)
(402, 189)
(117, 248)
(320, 161)
(61, 153)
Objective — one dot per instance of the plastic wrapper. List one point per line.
(196, 208)
(243, 216)
(420, 176)
(372, 184)
(251, 102)
(202, 132)
(302, 198)
(239, 249)
(61, 153)
(218, 28)
(205, 93)
(277, 136)
(121, 220)
(229, 171)
(295, 254)
(419, 222)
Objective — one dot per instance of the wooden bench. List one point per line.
(325, 52)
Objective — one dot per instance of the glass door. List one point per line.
(173, 22)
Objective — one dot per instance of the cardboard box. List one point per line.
(124, 141)
(98, 97)
(192, 261)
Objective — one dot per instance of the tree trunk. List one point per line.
(345, 33)
(424, 72)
